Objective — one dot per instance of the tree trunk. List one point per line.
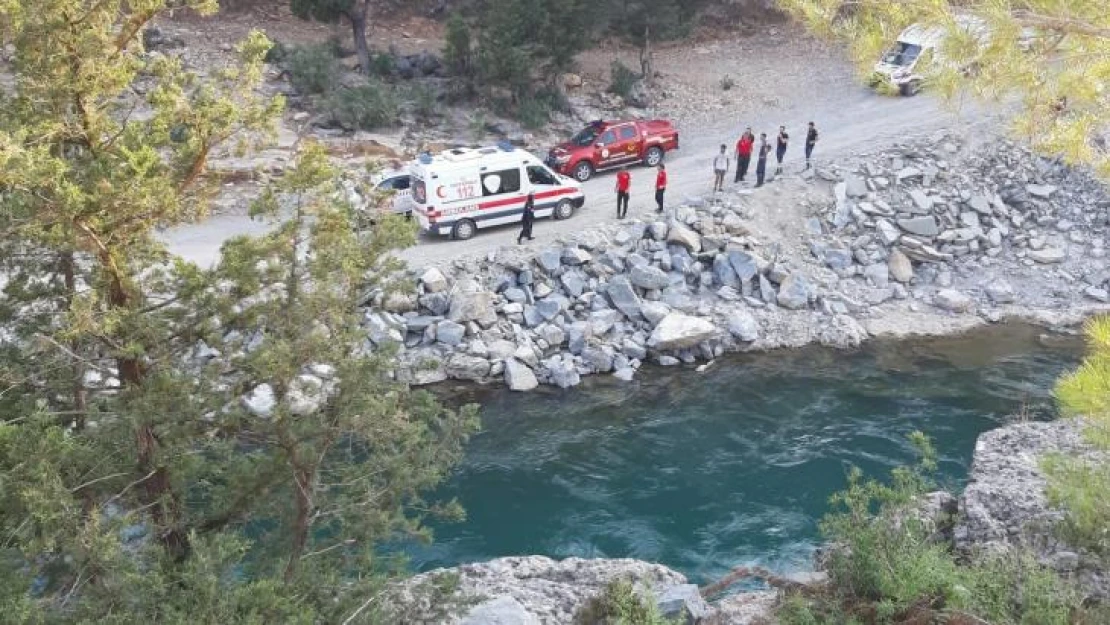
(358, 17)
(647, 68)
(157, 489)
(301, 517)
(80, 393)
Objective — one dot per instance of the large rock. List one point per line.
(649, 277)
(921, 226)
(743, 325)
(1048, 256)
(953, 300)
(681, 235)
(794, 292)
(683, 603)
(466, 367)
(623, 297)
(855, 186)
(477, 307)
(561, 371)
(518, 376)
(901, 269)
(678, 331)
(744, 264)
(1000, 292)
(502, 610)
(433, 280)
(450, 333)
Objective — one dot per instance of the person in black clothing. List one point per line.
(811, 140)
(527, 219)
(780, 148)
(761, 164)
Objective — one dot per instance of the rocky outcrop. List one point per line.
(1005, 507)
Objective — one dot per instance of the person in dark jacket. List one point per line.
(780, 148)
(527, 219)
(761, 164)
(811, 141)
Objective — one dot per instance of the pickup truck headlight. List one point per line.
(562, 159)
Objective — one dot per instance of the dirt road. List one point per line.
(851, 119)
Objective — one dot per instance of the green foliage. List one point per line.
(313, 69)
(620, 604)
(457, 52)
(365, 107)
(135, 486)
(1038, 50)
(1076, 485)
(886, 566)
(382, 64)
(424, 102)
(621, 79)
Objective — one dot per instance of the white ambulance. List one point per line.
(460, 190)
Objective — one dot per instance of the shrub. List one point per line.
(621, 79)
(457, 47)
(278, 53)
(424, 102)
(533, 112)
(619, 604)
(382, 64)
(313, 69)
(1080, 487)
(365, 107)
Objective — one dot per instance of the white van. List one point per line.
(905, 64)
(460, 190)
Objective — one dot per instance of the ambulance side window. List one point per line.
(540, 175)
(498, 182)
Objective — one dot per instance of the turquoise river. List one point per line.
(734, 465)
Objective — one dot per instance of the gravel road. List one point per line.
(851, 120)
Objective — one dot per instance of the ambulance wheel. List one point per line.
(463, 230)
(653, 157)
(563, 210)
(583, 171)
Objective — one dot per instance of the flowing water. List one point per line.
(735, 465)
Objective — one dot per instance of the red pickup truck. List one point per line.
(608, 144)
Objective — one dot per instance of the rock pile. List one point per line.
(920, 227)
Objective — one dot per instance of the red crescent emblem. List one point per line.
(439, 192)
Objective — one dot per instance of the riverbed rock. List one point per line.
(561, 371)
(623, 297)
(433, 280)
(1048, 255)
(449, 332)
(466, 367)
(679, 331)
(953, 301)
(1000, 292)
(476, 306)
(681, 235)
(503, 610)
(648, 277)
(901, 269)
(518, 376)
(921, 226)
(743, 325)
(794, 292)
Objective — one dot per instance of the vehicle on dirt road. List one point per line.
(458, 191)
(609, 144)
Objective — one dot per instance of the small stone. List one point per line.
(921, 226)
(1097, 294)
(1000, 292)
(953, 301)
(743, 325)
(433, 280)
(1048, 255)
(794, 292)
(576, 256)
(1042, 191)
(450, 333)
(899, 266)
(648, 277)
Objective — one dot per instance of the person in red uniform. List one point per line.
(744, 154)
(660, 187)
(624, 183)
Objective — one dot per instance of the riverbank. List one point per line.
(931, 237)
(1003, 508)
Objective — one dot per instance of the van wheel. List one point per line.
(463, 230)
(563, 210)
(653, 157)
(911, 88)
(583, 171)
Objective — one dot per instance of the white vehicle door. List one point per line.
(399, 189)
(541, 182)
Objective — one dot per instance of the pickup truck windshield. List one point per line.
(586, 136)
(902, 54)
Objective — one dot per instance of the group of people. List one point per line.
(744, 148)
(721, 165)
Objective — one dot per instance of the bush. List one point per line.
(382, 64)
(313, 69)
(425, 104)
(365, 107)
(278, 53)
(621, 79)
(888, 567)
(619, 604)
(457, 47)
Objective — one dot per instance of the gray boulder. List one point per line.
(477, 307)
(503, 610)
(466, 367)
(561, 371)
(648, 277)
(921, 226)
(794, 292)
(518, 376)
(449, 332)
(743, 325)
(900, 267)
(1000, 292)
(623, 297)
(433, 280)
(678, 331)
(683, 603)
(953, 301)
(679, 234)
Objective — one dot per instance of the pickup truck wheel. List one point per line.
(583, 171)
(563, 210)
(653, 157)
(463, 230)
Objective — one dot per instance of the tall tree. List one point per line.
(1053, 55)
(355, 12)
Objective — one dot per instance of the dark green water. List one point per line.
(703, 472)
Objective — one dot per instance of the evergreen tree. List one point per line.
(1054, 55)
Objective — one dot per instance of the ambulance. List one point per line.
(458, 191)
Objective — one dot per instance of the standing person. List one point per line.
(780, 148)
(811, 140)
(761, 164)
(660, 187)
(624, 183)
(527, 219)
(720, 166)
(744, 154)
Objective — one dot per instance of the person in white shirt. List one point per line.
(720, 167)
